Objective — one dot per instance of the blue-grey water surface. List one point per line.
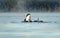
(12, 27)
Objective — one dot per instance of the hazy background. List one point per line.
(30, 5)
(13, 12)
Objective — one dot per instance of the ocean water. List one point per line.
(11, 25)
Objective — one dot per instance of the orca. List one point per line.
(38, 21)
(28, 18)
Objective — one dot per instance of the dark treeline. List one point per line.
(7, 4)
(42, 5)
(29, 5)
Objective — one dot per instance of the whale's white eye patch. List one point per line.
(28, 18)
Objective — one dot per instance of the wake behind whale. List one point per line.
(34, 22)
